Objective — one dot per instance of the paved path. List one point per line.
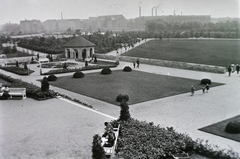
(184, 112)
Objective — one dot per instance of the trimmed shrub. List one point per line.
(106, 71)
(52, 78)
(233, 127)
(206, 81)
(97, 149)
(44, 85)
(120, 98)
(124, 113)
(78, 74)
(127, 69)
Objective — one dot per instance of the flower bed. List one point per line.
(92, 67)
(17, 70)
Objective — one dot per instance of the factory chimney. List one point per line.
(139, 11)
(174, 12)
(156, 11)
(61, 16)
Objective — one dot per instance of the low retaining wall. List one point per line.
(14, 59)
(165, 63)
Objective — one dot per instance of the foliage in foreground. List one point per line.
(142, 140)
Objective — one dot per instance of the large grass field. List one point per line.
(140, 86)
(210, 52)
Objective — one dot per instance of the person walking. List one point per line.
(237, 68)
(138, 62)
(203, 89)
(134, 64)
(192, 90)
(229, 71)
(207, 87)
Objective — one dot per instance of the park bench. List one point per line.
(110, 150)
(17, 92)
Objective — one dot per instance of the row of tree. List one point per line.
(228, 29)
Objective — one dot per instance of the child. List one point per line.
(203, 89)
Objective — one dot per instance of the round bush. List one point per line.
(106, 71)
(120, 97)
(78, 74)
(127, 69)
(52, 78)
(233, 127)
(206, 81)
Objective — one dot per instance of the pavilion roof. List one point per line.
(78, 42)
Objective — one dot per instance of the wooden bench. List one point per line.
(111, 150)
(17, 92)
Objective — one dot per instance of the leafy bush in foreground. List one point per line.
(233, 127)
(142, 140)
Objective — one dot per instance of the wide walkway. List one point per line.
(184, 112)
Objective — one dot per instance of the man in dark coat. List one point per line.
(229, 71)
(237, 68)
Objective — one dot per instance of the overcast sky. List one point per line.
(16, 10)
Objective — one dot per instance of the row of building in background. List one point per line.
(102, 23)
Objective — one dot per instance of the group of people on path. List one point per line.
(109, 135)
(137, 62)
(232, 68)
(205, 87)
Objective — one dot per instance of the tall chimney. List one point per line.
(174, 12)
(155, 11)
(61, 16)
(139, 11)
(152, 10)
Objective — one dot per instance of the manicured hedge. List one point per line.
(78, 74)
(52, 77)
(142, 140)
(233, 127)
(127, 69)
(206, 81)
(106, 71)
(120, 97)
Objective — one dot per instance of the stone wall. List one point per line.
(165, 63)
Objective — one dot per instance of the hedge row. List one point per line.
(142, 140)
(165, 63)
(17, 70)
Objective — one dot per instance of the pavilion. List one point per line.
(79, 48)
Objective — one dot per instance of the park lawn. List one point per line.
(209, 52)
(140, 86)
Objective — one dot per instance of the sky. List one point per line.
(14, 11)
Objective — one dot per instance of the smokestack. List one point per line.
(174, 12)
(152, 10)
(61, 16)
(181, 13)
(156, 12)
(139, 11)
